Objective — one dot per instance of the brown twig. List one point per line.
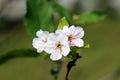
(70, 65)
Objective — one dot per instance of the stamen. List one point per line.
(59, 46)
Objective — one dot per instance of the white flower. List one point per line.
(41, 40)
(57, 46)
(74, 35)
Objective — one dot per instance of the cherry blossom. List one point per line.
(74, 35)
(41, 40)
(57, 46)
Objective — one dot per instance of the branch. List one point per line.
(70, 65)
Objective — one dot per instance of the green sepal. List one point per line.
(63, 22)
(86, 45)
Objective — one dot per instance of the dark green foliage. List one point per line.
(18, 53)
(40, 15)
(91, 17)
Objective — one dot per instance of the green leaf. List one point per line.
(90, 17)
(78, 51)
(18, 53)
(63, 22)
(75, 50)
(39, 16)
(87, 45)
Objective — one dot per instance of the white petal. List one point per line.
(62, 38)
(52, 37)
(39, 45)
(49, 49)
(50, 46)
(58, 31)
(65, 50)
(40, 50)
(77, 42)
(55, 56)
(36, 42)
(38, 33)
(66, 30)
(42, 34)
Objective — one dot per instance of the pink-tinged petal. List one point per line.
(55, 56)
(79, 32)
(77, 42)
(65, 50)
(71, 29)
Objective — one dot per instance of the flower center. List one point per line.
(59, 46)
(70, 37)
(44, 40)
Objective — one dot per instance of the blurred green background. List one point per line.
(100, 62)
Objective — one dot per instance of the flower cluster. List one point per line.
(58, 44)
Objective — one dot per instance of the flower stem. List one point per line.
(56, 69)
(70, 65)
(59, 68)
